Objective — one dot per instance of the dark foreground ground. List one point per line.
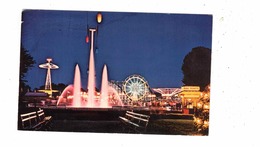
(107, 121)
(160, 126)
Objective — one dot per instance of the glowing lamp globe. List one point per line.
(99, 17)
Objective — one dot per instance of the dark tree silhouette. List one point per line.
(26, 62)
(196, 67)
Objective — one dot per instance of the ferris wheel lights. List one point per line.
(135, 87)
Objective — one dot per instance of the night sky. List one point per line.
(152, 45)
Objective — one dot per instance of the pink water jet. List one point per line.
(77, 100)
(104, 88)
(91, 74)
(65, 95)
(112, 91)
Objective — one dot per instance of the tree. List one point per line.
(196, 67)
(26, 62)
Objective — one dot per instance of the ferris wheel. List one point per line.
(135, 87)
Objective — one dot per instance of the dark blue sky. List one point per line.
(150, 44)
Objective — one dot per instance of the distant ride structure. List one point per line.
(49, 66)
(135, 87)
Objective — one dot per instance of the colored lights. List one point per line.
(206, 106)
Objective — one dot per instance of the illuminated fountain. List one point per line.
(73, 96)
(104, 88)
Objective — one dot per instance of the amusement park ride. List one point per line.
(49, 66)
(135, 87)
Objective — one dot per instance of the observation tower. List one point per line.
(48, 66)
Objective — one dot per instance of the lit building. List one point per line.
(190, 96)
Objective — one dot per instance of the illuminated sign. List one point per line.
(190, 88)
(190, 92)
